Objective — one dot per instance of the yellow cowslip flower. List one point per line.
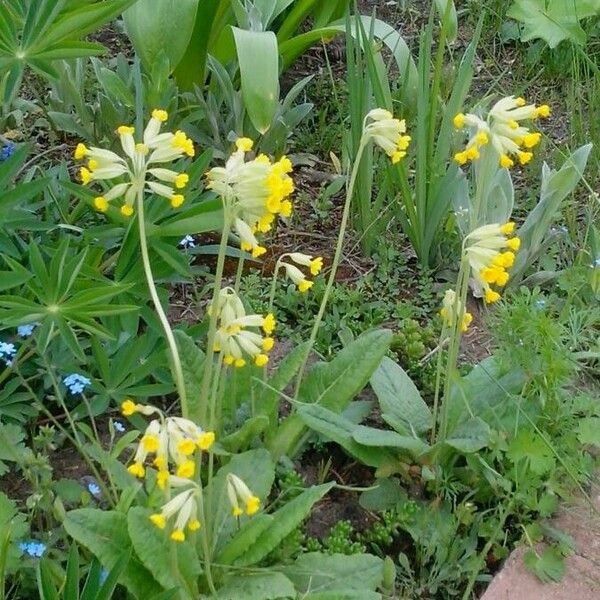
(254, 191)
(239, 493)
(490, 252)
(185, 506)
(450, 312)
(295, 274)
(171, 440)
(387, 132)
(136, 165)
(232, 337)
(502, 128)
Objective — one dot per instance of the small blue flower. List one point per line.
(539, 304)
(187, 242)
(7, 151)
(94, 489)
(119, 427)
(33, 548)
(596, 263)
(26, 330)
(76, 383)
(103, 576)
(7, 353)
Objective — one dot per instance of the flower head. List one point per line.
(187, 242)
(237, 335)
(184, 507)
(7, 353)
(239, 493)
(502, 129)
(255, 191)
(33, 548)
(26, 330)
(76, 383)
(295, 274)
(490, 250)
(7, 151)
(451, 311)
(138, 166)
(170, 440)
(387, 132)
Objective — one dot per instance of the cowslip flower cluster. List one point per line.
(233, 338)
(387, 132)
(171, 440)
(490, 251)
(255, 191)
(315, 265)
(502, 129)
(451, 312)
(137, 165)
(184, 506)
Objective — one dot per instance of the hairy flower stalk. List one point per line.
(388, 133)
(487, 254)
(236, 336)
(253, 193)
(502, 130)
(137, 176)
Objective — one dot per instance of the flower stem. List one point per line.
(180, 382)
(336, 261)
(212, 328)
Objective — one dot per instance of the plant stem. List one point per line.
(335, 264)
(212, 328)
(205, 545)
(180, 382)
(460, 304)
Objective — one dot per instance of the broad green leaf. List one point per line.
(155, 550)
(104, 534)
(334, 384)
(256, 468)
(192, 67)
(160, 26)
(470, 436)
(258, 586)
(369, 436)
(553, 21)
(401, 404)
(344, 595)
(588, 431)
(556, 186)
(242, 437)
(285, 520)
(245, 537)
(315, 572)
(341, 431)
(260, 86)
(192, 361)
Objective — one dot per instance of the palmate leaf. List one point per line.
(528, 446)
(35, 33)
(553, 20)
